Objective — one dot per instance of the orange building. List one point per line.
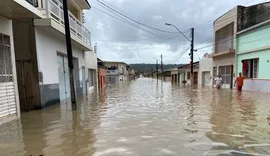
(101, 74)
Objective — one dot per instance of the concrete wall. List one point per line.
(253, 39)
(91, 63)
(249, 16)
(26, 62)
(257, 85)
(6, 28)
(91, 60)
(226, 19)
(49, 43)
(205, 65)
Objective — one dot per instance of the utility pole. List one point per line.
(157, 68)
(191, 55)
(161, 63)
(70, 56)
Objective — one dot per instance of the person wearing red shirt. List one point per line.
(240, 82)
(245, 67)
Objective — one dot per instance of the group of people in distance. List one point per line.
(239, 80)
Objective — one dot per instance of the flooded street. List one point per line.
(146, 117)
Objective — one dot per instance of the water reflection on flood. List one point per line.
(144, 117)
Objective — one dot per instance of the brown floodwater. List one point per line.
(145, 117)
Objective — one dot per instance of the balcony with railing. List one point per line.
(55, 12)
(112, 72)
(14, 9)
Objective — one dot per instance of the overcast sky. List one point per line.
(132, 41)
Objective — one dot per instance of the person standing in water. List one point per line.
(219, 82)
(240, 82)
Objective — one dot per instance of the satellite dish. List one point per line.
(206, 55)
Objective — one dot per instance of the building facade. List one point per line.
(9, 97)
(91, 70)
(9, 93)
(101, 75)
(175, 75)
(253, 48)
(116, 71)
(205, 72)
(182, 74)
(226, 29)
(38, 41)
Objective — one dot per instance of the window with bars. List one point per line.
(5, 59)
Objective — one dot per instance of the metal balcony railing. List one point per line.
(55, 11)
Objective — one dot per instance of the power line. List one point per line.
(129, 14)
(119, 19)
(131, 19)
(231, 39)
(179, 56)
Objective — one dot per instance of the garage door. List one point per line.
(206, 78)
(7, 91)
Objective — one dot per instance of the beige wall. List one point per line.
(227, 18)
(225, 61)
(205, 65)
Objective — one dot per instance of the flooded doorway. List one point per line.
(63, 75)
(206, 78)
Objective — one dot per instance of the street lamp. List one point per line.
(191, 48)
(168, 24)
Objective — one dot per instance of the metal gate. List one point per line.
(206, 78)
(63, 75)
(7, 91)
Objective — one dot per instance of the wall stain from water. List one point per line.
(145, 117)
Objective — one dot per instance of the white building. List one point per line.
(92, 70)
(116, 71)
(37, 38)
(205, 71)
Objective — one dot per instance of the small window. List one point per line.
(188, 75)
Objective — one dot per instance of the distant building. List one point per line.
(101, 74)
(91, 71)
(205, 71)
(182, 74)
(117, 71)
